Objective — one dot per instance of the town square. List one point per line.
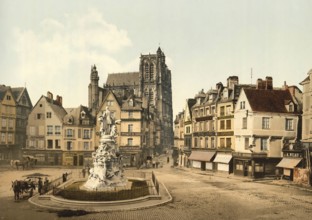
(155, 109)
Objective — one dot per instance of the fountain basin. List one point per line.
(134, 188)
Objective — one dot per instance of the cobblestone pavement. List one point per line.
(196, 195)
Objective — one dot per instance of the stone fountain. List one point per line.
(107, 171)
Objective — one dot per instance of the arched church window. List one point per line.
(146, 71)
(151, 96)
(152, 70)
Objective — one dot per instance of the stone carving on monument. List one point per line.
(107, 168)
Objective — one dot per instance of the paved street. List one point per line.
(196, 195)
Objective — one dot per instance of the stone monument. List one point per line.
(107, 171)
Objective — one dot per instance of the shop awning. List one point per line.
(202, 155)
(289, 163)
(223, 158)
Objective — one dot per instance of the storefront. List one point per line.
(77, 158)
(202, 159)
(287, 165)
(222, 162)
(45, 157)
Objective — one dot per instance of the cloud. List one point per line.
(58, 55)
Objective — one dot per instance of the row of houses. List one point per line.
(252, 130)
(56, 135)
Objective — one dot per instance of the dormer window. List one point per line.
(82, 114)
(70, 120)
(131, 102)
(291, 107)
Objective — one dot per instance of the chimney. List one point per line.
(268, 83)
(231, 81)
(50, 95)
(59, 100)
(259, 84)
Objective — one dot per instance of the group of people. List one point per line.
(43, 186)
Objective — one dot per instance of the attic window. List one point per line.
(291, 107)
(8, 97)
(70, 120)
(82, 114)
(131, 102)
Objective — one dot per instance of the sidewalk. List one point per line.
(265, 180)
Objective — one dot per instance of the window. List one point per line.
(212, 142)
(57, 130)
(69, 145)
(291, 107)
(242, 105)
(228, 142)
(69, 133)
(131, 102)
(228, 110)
(152, 71)
(146, 71)
(50, 144)
(10, 123)
(263, 144)
(86, 134)
(228, 124)
(10, 138)
(195, 142)
(3, 139)
(57, 144)
(32, 130)
(8, 97)
(206, 142)
(188, 130)
(130, 114)
(222, 112)
(222, 142)
(201, 112)
(244, 123)
(265, 123)
(130, 127)
(49, 130)
(38, 116)
(246, 143)
(109, 103)
(130, 142)
(4, 122)
(289, 124)
(151, 96)
(86, 145)
(222, 124)
(49, 114)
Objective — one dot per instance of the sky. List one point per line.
(51, 45)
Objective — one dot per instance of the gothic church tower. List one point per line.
(93, 89)
(155, 87)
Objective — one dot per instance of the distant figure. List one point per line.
(40, 186)
(168, 159)
(83, 172)
(64, 177)
(46, 185)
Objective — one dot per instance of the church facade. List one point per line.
(152, 90)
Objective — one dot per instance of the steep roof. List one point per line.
(75, 113)
(16, 92)
(121, 79)
(268, 100)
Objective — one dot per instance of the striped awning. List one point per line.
(289, 163)
(202, 155)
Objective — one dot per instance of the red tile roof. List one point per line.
(268, 100)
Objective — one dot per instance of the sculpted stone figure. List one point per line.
(106, 122)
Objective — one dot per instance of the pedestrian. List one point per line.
(64, 177)
(40, 186)
(46, 185)
(83, 172)
(168, 159)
